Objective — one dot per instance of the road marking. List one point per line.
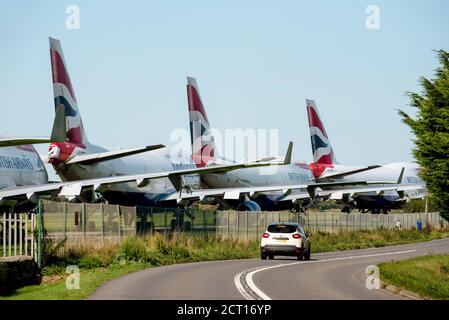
(245, 284)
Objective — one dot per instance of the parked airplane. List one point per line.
(88, 170)
(20, 164)
(325, 168)
(148, 179)
(78, 159)
(294, 173)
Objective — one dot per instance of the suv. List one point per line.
(286, 239)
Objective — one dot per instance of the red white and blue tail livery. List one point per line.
(321, 146)
(203, 145)
(64, 95)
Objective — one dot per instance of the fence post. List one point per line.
(308, 219)
(165, 221)
(102, 222)
(4, 234)
(360, 221)
(135, 222)
(15, 233)
(238, 223)
(65, 219)
(20, 234)
(32, 235)
(257, 225)
(204, 220)
(119, 224)
(228, 225)
(9, 234)
(325, 222)
(247, 228)
(83, 220)
(26, 234)
(39, 235)
(332, 216)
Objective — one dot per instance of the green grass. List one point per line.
(344, 240)
(427, 276)
(90, 279)
(100, 264)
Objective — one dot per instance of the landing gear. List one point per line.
(297, 208)
(347, 209)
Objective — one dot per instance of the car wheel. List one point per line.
(307, 254)
(263, 256)
(271, 257)
(299, 256)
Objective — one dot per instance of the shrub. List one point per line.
(133, 249)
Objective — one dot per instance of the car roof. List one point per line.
(296, 224)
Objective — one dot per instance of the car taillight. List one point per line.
(297, 236)
(266, 235)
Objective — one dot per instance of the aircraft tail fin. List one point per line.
(64, 95)
(321, 146)
(203, 145)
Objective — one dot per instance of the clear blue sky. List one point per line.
(255, 62)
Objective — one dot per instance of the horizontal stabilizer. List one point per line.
(92, 158)
(10, 142)
(57, 135)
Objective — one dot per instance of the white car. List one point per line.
(285, 239)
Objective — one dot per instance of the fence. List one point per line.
(18, 234)
(97, 223)
(249, 225)
(334, 221)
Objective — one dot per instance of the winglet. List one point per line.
(58, 134)
(401, 175)
(288, 155)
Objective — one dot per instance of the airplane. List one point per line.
(151, 178)
(292, 174)
(21, 165)
(135, 176)
(77, 159)
(325, 168)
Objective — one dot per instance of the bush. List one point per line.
(133, 249)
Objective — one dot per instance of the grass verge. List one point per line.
(102, 263)
(427, 276)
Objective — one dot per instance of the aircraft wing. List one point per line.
(338, 194)
(236, 192)
(73, 188)
(347, 173)
(92, 158)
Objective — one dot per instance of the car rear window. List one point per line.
(281, 228)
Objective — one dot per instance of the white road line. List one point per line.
(249, 277)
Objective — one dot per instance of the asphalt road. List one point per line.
(334, 275)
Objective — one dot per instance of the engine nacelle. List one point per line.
(250, 204)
